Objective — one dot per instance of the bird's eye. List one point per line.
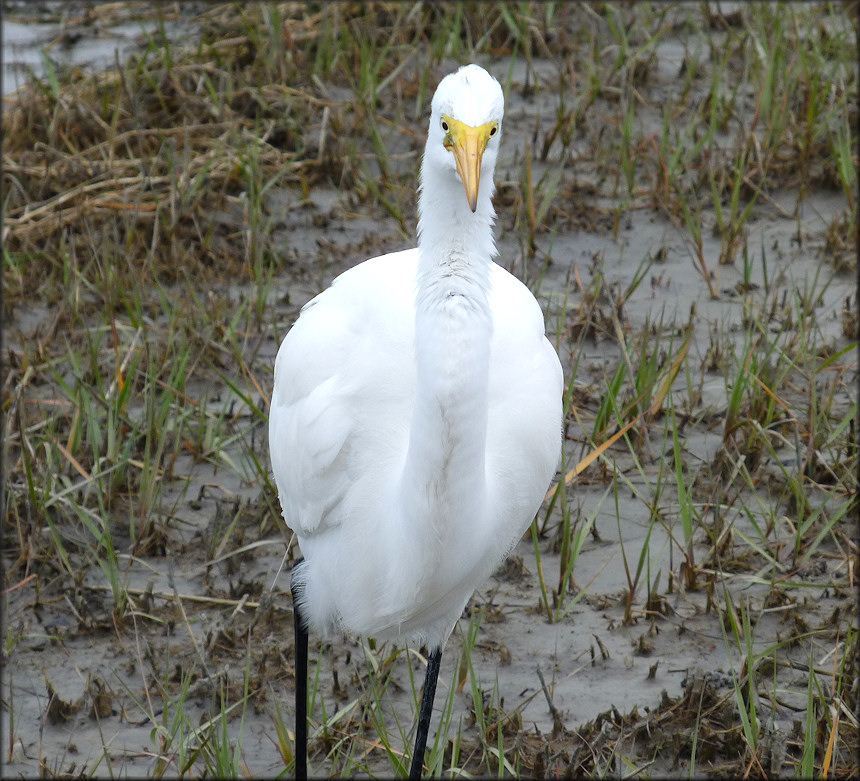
(445, 126)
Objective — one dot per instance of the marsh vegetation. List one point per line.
(677, 185)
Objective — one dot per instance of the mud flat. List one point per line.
(678, 187)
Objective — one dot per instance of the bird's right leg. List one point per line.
(301, 635)
(427, 697)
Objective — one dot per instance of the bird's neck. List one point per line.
(444, 471)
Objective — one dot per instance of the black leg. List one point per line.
(301, 634)
(424, 714)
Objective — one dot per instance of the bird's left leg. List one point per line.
(427, 697)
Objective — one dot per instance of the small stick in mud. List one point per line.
(557, 721)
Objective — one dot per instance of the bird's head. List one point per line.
(466, 127)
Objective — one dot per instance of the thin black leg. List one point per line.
(427, 697)
(301, 634)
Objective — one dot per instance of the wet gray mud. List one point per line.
(213, 616)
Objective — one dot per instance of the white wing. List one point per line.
(343, 375)
(525, 397)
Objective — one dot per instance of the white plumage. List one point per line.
(416, 415)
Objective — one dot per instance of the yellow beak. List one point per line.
(468, 145)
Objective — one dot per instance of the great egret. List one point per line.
(416, 414)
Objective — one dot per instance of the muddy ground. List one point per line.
(602, 677)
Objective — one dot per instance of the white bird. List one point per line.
(416, 415)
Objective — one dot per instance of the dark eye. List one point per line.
(493, 130)
(444, 126)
